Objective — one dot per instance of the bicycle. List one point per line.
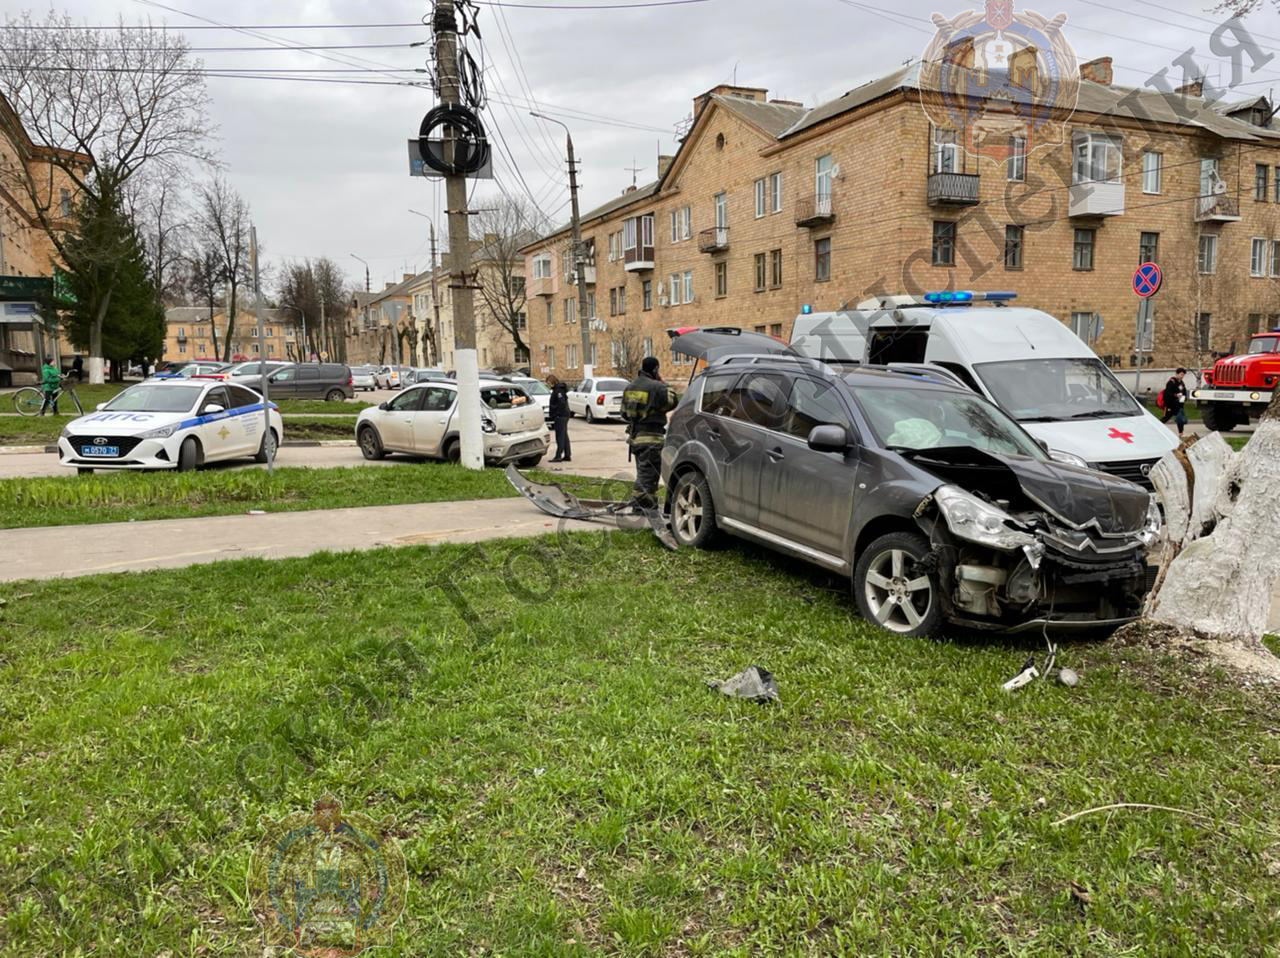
(29, 401)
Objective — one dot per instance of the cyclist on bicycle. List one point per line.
(50, 383)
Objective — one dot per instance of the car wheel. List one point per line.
(268, 448)
(693, 514)
(453, 450)
(335, 395)
(590, 416)
(528, 462)
(371, 444)
(188, 456)
(893, 587)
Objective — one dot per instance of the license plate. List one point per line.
(1223, 395)
(104, 452)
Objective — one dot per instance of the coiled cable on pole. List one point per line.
(461, 127)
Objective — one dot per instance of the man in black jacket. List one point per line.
(1175, 398)
(558, 410)
(645, 404)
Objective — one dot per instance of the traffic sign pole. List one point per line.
(1147, 280)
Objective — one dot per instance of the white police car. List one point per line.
(175, 424)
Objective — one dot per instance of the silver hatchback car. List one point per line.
(936, 504)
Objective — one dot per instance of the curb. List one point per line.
(288, 443)
(25, 450)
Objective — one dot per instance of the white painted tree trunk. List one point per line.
(1220, 583)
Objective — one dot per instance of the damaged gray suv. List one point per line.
(935, 503)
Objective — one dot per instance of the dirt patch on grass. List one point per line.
(1251, 662)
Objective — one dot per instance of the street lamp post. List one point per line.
(435, 298)
(579, 261)
(302, 352)
(366, 270)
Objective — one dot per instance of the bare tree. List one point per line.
(101, 105)
(204, 279)
(506, 225)
(222, 225)
(627, 346)
(163, 222)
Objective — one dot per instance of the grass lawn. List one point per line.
(293, 407)
(1236, 442)
(22, 431)
(121, 496)
(566, 785)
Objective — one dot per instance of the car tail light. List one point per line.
(600, 400)
(350, 380)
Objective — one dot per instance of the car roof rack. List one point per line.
(816, 364)
(938, 374)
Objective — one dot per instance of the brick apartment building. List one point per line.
(768, 206)
(189, 334)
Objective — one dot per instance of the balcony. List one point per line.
(1217, 208)
(542, 286)
(637, 259)
(953, 189)
(1095, 198)
(714, 240)
(816, 210)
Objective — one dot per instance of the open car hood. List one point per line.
(1079, 498)
(716, 342)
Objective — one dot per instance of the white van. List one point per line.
(1024, 360)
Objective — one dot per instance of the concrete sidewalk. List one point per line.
(53, 552)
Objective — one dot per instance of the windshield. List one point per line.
(913, 419)
(147, 397)
(1052, 390)
(1265, 344)
(610, 385)
(533, 387)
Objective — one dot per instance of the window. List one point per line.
(1254, 324)
(721, 204)
(551, 356)
(1152, 164)
(760, 197)
(613, 301)
(722, 278)
(1276, 186)
(182, 346)
(675, 228)
(1208, 258)
(1097, 159)
(522, 321)
(812, 404)
(944, 243)
(1258, 257)
(1013, 247)
(1260, 174)
(646, 346)
(594, 361)
(760, 271)
(822, 259)
(759, 398)
(646, 295)
(64, 202)
(681, 224)
(1208, 175)
(945, 157)
(591, 304)
(1086, 325)
(613, 252)
(622, 300)
(775, 192)
(674, 288)
(775, 330)
(775, 268)
(1204, 323)
(1017, 165)
(1275, 257)
(542, 266)
(1148, 247)
(570, 311)
(688, 286)
(823, 172)
(1082, 250)
(550, 314)
(571, 355)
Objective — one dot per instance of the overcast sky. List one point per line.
(324, 166)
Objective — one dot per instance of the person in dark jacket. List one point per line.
(645, 404)
(558, 409)
(1175, 399)
(77, 367)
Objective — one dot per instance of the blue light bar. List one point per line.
(965, 296)
(806, 309)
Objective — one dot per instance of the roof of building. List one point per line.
(907, 77)
(772, 118)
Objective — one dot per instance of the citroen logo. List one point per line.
(1145, 468)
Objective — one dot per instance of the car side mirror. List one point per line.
(101, 406)
(1041, 443)
(212, 408)
(829, 438)
(384, 406)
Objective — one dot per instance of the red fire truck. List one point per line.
(1237, 386)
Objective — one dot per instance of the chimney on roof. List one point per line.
(959, 53)
(406, 276)
(631, 188)
(1097, 71)
(388, 285)
(758, 94)
(1194, 88)
(664, 164)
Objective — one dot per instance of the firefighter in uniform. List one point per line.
(645, 404)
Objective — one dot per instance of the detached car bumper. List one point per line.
(502, 448)
(133, 454)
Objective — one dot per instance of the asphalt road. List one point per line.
(598, 450)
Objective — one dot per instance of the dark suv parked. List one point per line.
(937, 504)
(331, 381)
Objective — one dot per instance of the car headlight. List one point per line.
(488, 425)
(66, 433)
(968, 517)
(1070, 458)
(1155, 522)
(164, 432)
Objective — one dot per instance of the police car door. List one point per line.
(215, 432)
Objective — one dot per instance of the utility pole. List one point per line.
(265, 380)
(435, 301)
(324, 328)
(460, 281)
(579, 250)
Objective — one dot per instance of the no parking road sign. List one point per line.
(1147, 279)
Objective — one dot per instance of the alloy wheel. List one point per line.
(898, 593)
(686, 513)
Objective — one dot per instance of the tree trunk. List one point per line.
(95, 341)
